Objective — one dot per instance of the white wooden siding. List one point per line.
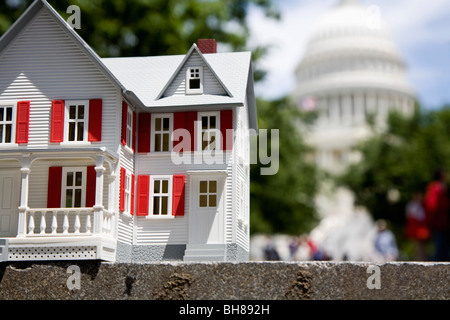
(125, 229)
(43, 64)
(210, 84)
(241, 174)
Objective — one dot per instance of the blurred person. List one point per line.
(270, 252)
(416, 228)
(293, 248)
(385, 244)
(437, 215)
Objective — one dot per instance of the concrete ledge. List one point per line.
(224, 281)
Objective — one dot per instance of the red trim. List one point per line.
(144, 132)
(23, 121)
(95, 120)
(57, 121)
(124, 122)
(226, 123)
(123, 174)
(190, 119)
(178, 195)
(178, 123)
(54, 187)
(133, 179)
(91, 181)
(143, 195)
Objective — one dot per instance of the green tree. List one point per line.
(284, 202)
(154, 27)
(399, 160)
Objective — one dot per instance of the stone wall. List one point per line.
(223, 281)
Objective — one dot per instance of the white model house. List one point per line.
(121, 159)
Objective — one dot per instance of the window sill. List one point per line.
(128, 150)
(151, 217)
(9, 145)
(75, 144)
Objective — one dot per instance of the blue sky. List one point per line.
(421, 30)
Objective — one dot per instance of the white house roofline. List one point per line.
(186, 58)
(31, 12)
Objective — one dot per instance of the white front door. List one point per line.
(206, 215)
(9, 202)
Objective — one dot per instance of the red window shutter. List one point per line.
(95, 120)
(178, 195)
(134, 131)
(143, 197)
(185, 120)
(123, 174)
(124, 122)
(23, 121)
(144, 133)
(57, 121)
(133, 179)
(54, 187)
(91, 180)
(226, 123)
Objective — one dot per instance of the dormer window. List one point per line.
(194, 80)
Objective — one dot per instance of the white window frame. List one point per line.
(154, 132)
(208, 193)
(3, 123)
(208, 131)
(67, 121)
(169, 195)
(64, 186)
(128, 193)
(191, 74)
(129, 132)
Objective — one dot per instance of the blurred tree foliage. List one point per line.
(400, 161)
(284, 203)
(154, 27)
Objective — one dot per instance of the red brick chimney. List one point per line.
(207, 45)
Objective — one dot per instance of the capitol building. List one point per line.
(351, 70)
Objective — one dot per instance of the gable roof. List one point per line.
(193, 49)
(149, 78)
(32, 11)
(144, 80)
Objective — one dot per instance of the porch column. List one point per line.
(23, 208)
(98, 208)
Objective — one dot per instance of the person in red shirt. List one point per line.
(437, 215)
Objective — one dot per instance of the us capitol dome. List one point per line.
(351, 69)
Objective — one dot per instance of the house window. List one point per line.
(161, 196)
(194, 80)
(6, 124)
(73, 186)
(208, 193)
(162, 131)
(129, 137)
(209, 131)
(128, 193)
(77, 121)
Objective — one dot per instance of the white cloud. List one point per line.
(415, 25)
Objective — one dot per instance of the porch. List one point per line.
(38, 232)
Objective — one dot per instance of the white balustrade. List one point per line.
(64, 221)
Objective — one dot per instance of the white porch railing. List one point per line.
(66, 222)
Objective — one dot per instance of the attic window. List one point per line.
(194, 80)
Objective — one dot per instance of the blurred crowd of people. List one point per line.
(427, 220)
